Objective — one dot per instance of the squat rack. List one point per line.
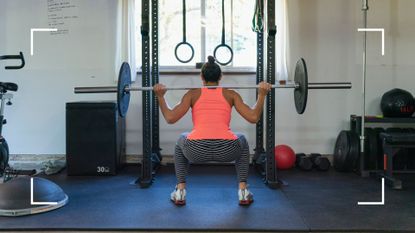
(263, 158)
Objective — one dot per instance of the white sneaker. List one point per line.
(245, 197)
(178, 196)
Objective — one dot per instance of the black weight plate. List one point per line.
(379, 156)
(346, 151)
(341, 151)
(301, 93)
(367, 150)
(123, 97)
(399, 160)
(411, 159)
(373, 148)
(411, 154)
(354, 154)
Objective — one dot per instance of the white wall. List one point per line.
(85, 56)
(324, 32)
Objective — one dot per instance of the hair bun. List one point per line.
(211, 59)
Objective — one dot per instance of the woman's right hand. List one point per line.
(264, 88)
(159, 89)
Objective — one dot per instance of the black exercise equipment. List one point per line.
(95, 138)
(270, 169)
(14, 57)
(397, 103)
(372, 148)
(301, 93)
(223, 42)
(184, 42)
(5, 100)
(320, 163)
(259, 157)
(303, 162)
(155, 140)
(123, 97)
(346, 151)
(379, 154)
(393, 142)
(15, 198)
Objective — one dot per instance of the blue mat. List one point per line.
(98, 203)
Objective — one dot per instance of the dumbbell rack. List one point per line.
(355, 126)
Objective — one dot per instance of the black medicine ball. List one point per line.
(397, 103)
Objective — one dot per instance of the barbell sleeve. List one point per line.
(343, 85)
(93, 90)
(113, 89)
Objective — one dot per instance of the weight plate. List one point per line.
(372, 148)
(379, 156)
(301, 93)
(341, 151)
(354, 154)
(346, 151)
(123, 97)
(367, 150)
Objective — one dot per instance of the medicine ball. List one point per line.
(397, 103)
(284, 157)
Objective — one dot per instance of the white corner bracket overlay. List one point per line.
(32, 202)
(382, 30)
(376, 203)
(32, 30)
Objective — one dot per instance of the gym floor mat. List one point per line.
(313, 201)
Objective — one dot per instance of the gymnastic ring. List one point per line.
(230, 50)
(176, 49)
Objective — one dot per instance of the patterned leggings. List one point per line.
(216, 150)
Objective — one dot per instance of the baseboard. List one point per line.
(29, 161)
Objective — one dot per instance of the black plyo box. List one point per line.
(95, 138)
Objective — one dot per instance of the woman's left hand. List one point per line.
(159, 89)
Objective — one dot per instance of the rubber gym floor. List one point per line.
(312, 201)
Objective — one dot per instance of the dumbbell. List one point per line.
(319, 162)
(303, 162)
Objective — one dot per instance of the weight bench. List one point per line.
(392, 143)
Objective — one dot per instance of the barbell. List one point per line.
(300, 86)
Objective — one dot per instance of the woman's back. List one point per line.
(211, 115)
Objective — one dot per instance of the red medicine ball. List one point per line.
(284, 157)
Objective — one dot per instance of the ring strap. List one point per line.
(184, 20)
(223, 21)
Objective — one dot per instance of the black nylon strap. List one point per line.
(223, 40)
(223, 21)
(184, 20)
(184, 42)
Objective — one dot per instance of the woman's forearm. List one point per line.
(258, 107)
(165, 109)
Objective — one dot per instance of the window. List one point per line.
(204, 30)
